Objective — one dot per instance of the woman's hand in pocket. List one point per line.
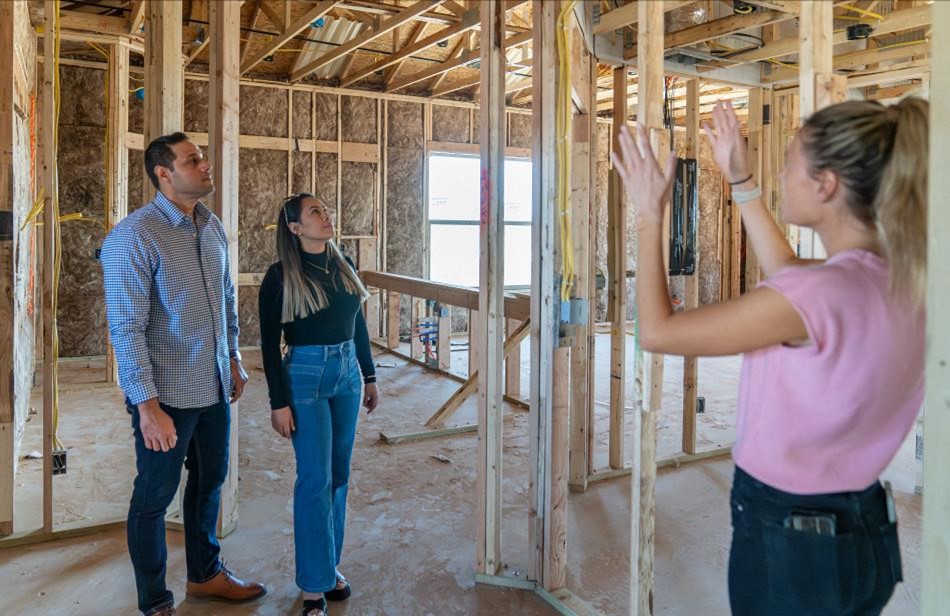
(283, 421)
(370, 397)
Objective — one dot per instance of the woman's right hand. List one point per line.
(283, 421)
(729, 147)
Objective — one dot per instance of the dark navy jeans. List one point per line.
(780, 571)
(324, 384)
(203, 448)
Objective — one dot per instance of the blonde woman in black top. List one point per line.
(313, 296)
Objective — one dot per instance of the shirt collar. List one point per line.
(176, 216)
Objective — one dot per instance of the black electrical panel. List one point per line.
(684, 215)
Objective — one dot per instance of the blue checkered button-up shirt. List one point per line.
(170, 302)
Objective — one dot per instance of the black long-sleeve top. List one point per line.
(340, 321)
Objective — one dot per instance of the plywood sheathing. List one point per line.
(450, 124)
(81, 313)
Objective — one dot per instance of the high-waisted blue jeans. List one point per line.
(325, 385)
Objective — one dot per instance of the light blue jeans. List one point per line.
(324, 384)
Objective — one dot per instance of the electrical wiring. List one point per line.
(865, 12)
(564, 154)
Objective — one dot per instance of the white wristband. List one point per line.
(744, 196)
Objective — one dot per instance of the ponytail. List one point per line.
(881, 156)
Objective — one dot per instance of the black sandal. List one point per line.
(309, 605)
(339, 594)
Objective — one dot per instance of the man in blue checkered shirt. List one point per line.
(173, 325)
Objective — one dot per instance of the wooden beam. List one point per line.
(617, 281)
(815, 61)
(51, 254)
(512, 362)
(643, 483)
(299, 25)
(550, 354)
(905, 19)
(691, 283)
(443, 349)
(717, 28)
(10, 169)
(117, 165)
(164, 75)
(492, 286)
(103, 24)
(456, 51)
(584, 134)
(786, 6)
(470, 386)
(852, 60)
(385, 27)
(465, 58)
(223, 121)
(136, 17)
(935, 592)
(627, 15)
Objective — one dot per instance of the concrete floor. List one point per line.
(410, 542)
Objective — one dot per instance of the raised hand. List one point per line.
(729, 147)
(646, 184)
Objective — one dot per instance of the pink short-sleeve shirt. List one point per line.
(830, 416)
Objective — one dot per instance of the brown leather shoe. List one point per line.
(226, 587)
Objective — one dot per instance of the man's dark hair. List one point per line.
(159, 152)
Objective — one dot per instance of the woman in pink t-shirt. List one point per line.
(833, 367)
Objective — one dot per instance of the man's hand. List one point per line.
(158, 429)
(282, 420)
(370, 397)
(239, 377)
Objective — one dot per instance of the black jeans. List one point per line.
(203, 448)
(779, 571)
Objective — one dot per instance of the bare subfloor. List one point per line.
(411, 527)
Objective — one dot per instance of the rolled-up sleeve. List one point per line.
(128, 269)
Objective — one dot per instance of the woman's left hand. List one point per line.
(370, 397)
(647, 185)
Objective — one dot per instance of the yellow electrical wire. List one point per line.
(36, 209)
(564, 155)
(865, 12)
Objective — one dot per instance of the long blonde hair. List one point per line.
(304, 296)
(881, 156)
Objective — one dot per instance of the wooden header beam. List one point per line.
(292, 30)
(627, 15)
(516, 307)
(387, 26)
